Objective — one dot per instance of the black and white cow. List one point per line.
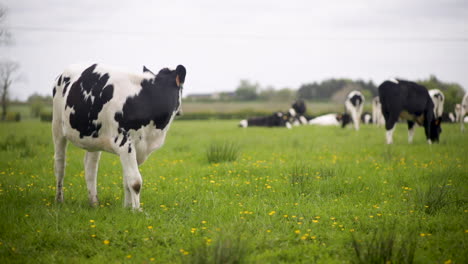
(377, 117)
(353, 105)
(409, 101)
(277, 119)
(331, 120)
(463, 111)
(102, 109)
(457, 111)
(438, 99)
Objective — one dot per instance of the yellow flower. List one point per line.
(152, 259)
(203, 222)
(150, 227)
(106, 242)
(315, 221)
(92, 226)
(93, 235)
(129, 256)
(297, 231)
(91, 221)
(272, 213)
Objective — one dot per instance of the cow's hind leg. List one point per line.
(390, 123)
(60, 146)
(132, 180)
(91, 162)
(410, 131)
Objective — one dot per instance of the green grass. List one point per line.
(306, 195)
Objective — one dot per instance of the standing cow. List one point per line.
(377, 117)
(353, 105)
(409, 101)
(102, 109)
(463, 111)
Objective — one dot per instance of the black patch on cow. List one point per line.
(87, 97)
(356, 100)
(66, 81)
(129, 148)
(136, 187)
(59, 82)
(53, 92)
(157, 101)
(124, 139)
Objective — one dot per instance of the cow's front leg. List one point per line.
(91, 168)
(132, 180)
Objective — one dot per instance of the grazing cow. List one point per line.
(331, 120)
(102, 109)
(463, 111)
(438, 99)
(353, 105)
(377, 117)
(409, 101)
(366, 118)
(277, 119)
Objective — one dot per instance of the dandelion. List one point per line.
(92, 226)
(297, 231)
(203, 222)
(152, 259)
(150, 227)
(129, 256)
(91, 221)
(315, 221)
(193, 230)
(271, 213)
(285, 216)
(106, 242)
(93, 235)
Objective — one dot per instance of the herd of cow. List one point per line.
(397, 100)
(98, 108)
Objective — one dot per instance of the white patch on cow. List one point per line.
(411, 134)
(451, 117)
(288, 125)
(393, 80)
(438, 99)
(367, 119)
(325, 120)
(292, 112)
(463, 111)
(389, 135)
(303, 120)
(244, 123)
(377, 116)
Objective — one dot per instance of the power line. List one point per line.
(237, 35)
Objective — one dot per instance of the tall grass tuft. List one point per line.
(433, 198)
(225, 151)
(383, 247)
(226, 250)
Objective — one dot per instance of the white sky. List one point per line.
(277, 43)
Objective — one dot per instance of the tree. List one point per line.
(8, 71)
(5, 35)
(247, 91)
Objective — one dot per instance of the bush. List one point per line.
(13, 117)
(46, 116)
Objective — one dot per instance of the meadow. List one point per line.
(305, 195)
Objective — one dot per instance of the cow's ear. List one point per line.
(180, 75)
(147, 70)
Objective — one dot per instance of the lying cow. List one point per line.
(331, 120)
(353, 105)
(101, 109)
(277, 119)
(297, 113)
(377, 117)
(409, 101)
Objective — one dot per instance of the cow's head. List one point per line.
(436, 129)
(176, 76)
(299, 106)
(344, 119)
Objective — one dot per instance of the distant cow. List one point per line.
(366, 118)
(463, 111)
(331, 120)
(353, 105)
(409, 101)
(438, 99)
(457, 111)
(277, 119)
(101, 109)
(377, 117)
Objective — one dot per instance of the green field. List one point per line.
(306, 195)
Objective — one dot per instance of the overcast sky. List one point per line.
(274, 43)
